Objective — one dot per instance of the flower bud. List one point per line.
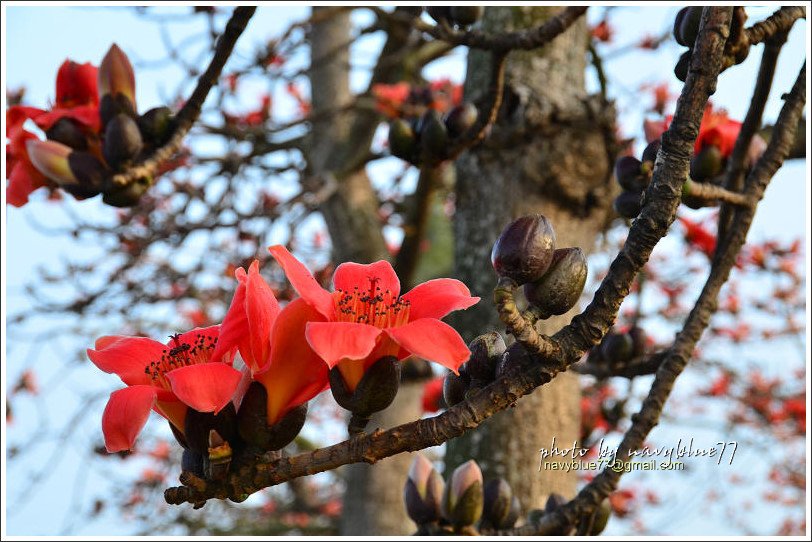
(462, 501)
(617, 347)
(682, 65)
(192, 462)
(438, 13)
(629, 174)
(51, 159)
(628, 204)
(252, 421)
(561, 286)
(485, 353)
(707, 164)
(638, 336)
(689, 26)
(116, 85)
(498, 504)
(433, 136)
(125, 196)
(461, 119)
(90, 173)
(402, 142)
(198, 427)
(122, 140)
(513, 361)
(156, 125)
(375, 391)
(465, 15)
(651, 150)
(554, 501)
(455, 386)
(68, 132)
(677, 24)
(524, 249)
(423, 491)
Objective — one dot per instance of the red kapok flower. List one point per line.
(272, 343)
(390, 98)
(366, 318)
(77, 84)
(433, 395)
(168, 379)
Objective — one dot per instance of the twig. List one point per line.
(779, 22)
(711, 192)
(191, 109)
(639, 367)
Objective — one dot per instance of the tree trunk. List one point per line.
(546, 155)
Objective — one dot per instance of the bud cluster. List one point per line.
(592, 525)
(479, 371)
(429, 137)
(634, 176)
(686, 30)
(459, 505)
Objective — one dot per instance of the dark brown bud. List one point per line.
(433, 136)
(498, 504)
(617, 347)
(682, 65)
(677, 30)
(68, 132)
(561, 286)
(485, 353)
(90, 173)
(629, 174)
(461, 119)
(707, 164)
(466, 15)
(423, 492)
(554, 501)
(689, 26)
(439, 13)
(122, 140)
(110, 106)
(514, 360)
(375, 391)
(125, 196)
(628, 204)
(638, 336)
(402, 142)
(156, 125)
(252, 421)
(199, 425)
(455, 386)
(192, 461)
(524, 249)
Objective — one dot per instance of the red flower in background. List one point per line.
(366, 318)
(602, 31)
(272, 343)
(390, 98)
(433, 395)
(168, 379)
(717, 129)
(699, 237)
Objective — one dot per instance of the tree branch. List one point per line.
(777, 23)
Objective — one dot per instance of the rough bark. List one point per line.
(546, 154)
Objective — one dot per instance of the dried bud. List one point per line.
(485, 353)
(498, 503)
(455, 386)
(402, 142)
(423, 491)
(439, 13)
(465, 15)
(629, 174)
(628, 204)
(682, 65)
(433, 136)
(126, 196)
(463, 498)
(252, 421)
(689, 26)
(651, 150)
(199, 425)
(68, 132)
(524, 249)
(51, 159)
(707, 164)
(617, 347)
(156, 125)
(122, 140)
(461, 119)
(116, 84)
(561, 286)
(375, 391)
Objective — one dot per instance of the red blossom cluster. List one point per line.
(403, 99)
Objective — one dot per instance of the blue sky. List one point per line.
(36, 42)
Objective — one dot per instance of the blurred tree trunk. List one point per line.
(545, 155)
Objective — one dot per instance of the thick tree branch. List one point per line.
(188, 114)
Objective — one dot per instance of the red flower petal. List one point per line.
(206, 387)
(76, 84)
(304, 283)
(334, 341)
(432, 340)
(24, 179)
(125, 415)
(16, 115)
(436, 298)
(296, 373)
(126, 356)
(262, 310)
(85, 114)
(350, 275)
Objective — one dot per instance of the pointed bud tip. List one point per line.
(51, 159)
(116, 74)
